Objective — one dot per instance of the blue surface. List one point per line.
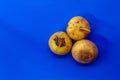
(26, 25)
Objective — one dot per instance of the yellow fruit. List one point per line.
(78, 28)
(60, 43)
(84, 51)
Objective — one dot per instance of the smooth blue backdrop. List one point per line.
(26, 25)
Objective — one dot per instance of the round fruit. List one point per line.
(78, 28)
(60, 43)
(84, 51)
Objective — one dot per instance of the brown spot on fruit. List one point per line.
(81, 26)
(85, 56)
(77, 22)
(73, 34)
(59, 41)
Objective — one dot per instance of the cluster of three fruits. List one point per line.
(83, 51)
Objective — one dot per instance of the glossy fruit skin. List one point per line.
(60, 43)
(84, 51)
(78, 28)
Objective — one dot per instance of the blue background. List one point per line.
(26, 25)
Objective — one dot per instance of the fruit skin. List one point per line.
(84, 51)
(60, 43)
(78, 28)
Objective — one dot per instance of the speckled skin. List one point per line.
(78, 28)
(84, 51)
(60, 49)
